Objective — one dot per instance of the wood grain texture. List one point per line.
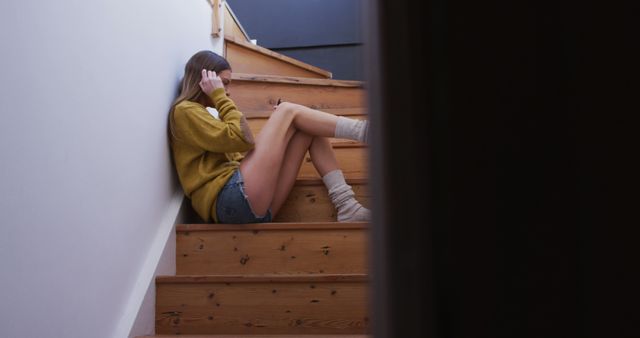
(352, 160)
(262, 278)
(302, 306)
(245, 57)
(231, 27)
(297, 250)
(216, 27)
(309, 201)
(253, 98)
(296, 80)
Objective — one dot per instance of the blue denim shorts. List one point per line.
(232, 205)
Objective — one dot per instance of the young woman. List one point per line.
(228, 187)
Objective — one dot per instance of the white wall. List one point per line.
(85, 175)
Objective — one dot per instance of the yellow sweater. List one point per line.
(206, 150)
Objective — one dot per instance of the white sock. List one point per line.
(352, 129)
(343, 198)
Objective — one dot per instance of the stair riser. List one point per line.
(262, 308)
(352, 162)
(244, 60)
(305, 251)
(312, 204)
(254, 97)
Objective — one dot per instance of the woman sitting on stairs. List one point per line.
(228, 187)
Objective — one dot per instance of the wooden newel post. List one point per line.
(216, 27)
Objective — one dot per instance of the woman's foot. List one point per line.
(354, 212)
(343, 198)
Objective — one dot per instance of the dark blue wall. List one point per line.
(324, 33)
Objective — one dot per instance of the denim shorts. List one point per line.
(232, 205)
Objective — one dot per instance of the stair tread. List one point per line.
(276, 278)
(281, 57)
(296, 80)
(272, 226)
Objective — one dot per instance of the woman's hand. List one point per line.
(210, 82)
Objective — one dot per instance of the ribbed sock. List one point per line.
(343, 198)
(352, 129)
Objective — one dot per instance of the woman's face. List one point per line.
(225, 76)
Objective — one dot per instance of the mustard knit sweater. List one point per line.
(206, 150)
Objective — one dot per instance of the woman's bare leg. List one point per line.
(318, 123)
(323, 156)
(262, 166)
(300, 143)
(340, 193)
(311, 121)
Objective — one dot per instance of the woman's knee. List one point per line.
(287, 109)
(284, 108)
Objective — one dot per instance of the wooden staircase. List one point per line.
(305, 275)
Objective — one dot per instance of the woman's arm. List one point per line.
(197, 127)
(228, 110)
(246, 131)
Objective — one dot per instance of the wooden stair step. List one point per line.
(352, 160)
(271, 248)
(262, 304)
(245, 57)
(309, 201)
(255, 94)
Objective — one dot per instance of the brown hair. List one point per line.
(190, 89)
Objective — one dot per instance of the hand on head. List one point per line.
(210, 81)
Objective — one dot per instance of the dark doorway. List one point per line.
(502, 169)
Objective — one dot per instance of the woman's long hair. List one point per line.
(190, 89)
